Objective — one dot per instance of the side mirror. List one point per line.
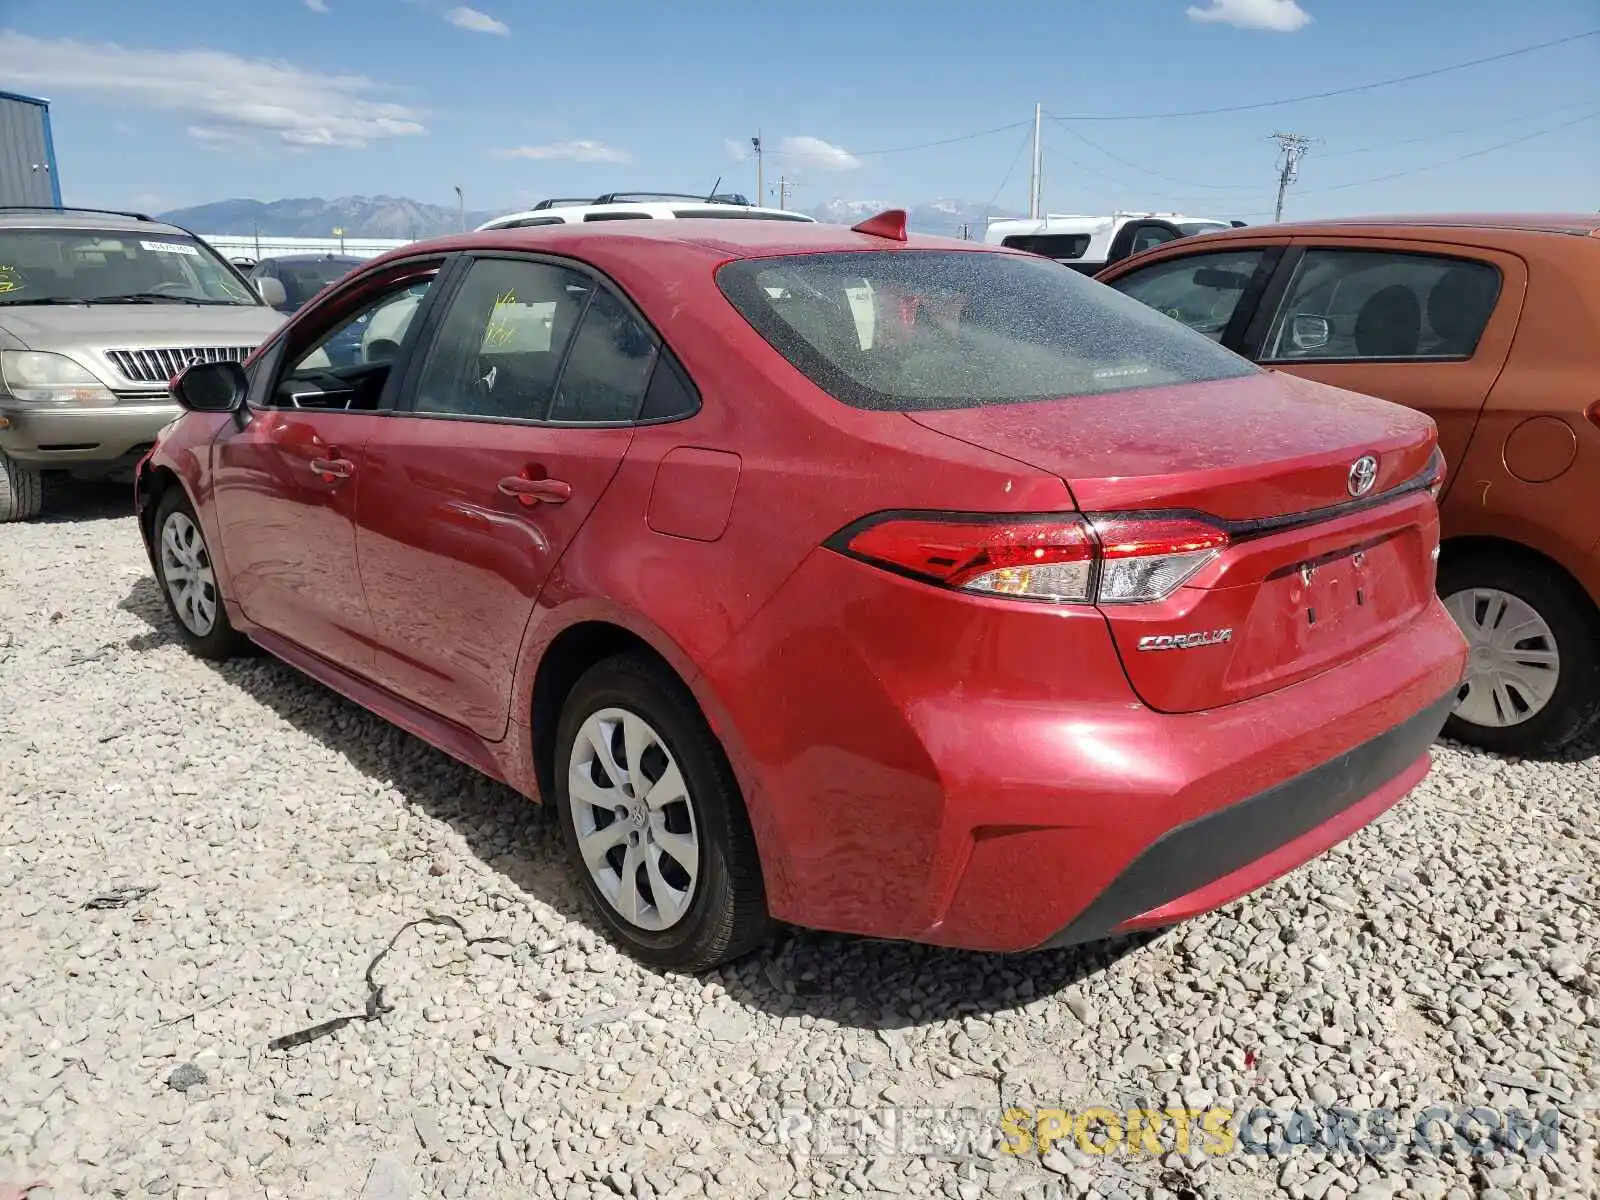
(271, 290)
(214, 387)
(1309, 332)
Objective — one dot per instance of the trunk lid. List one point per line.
(1311, 577)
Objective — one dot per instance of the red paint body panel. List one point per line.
(917, 762)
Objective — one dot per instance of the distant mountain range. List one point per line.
(398, 217)
(358, 216)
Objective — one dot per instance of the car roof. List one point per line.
(86, 219)
(1574, 224)
(658, 209)
(712, 238)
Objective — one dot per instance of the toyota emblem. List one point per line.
(1363, 474)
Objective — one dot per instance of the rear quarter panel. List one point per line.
(1532, 472)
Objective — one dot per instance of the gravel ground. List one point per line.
(1448, 955)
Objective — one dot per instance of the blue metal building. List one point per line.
(27, 153)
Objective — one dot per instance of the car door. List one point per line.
(1214, 292)
(515, 421)
(1423, 324)
(285, 477)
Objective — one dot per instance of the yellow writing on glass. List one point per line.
(499, 331)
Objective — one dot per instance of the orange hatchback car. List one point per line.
(1491, 326)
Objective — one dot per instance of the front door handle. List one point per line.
(333, 468)
(535, 491)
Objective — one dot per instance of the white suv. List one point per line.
(641, 205)
(1089, 243)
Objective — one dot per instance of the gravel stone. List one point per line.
(1447, 955)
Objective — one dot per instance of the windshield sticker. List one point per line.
(172, 248)
(11, 280)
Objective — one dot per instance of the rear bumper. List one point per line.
(930, 767)
(1216, 858)
(47, 438)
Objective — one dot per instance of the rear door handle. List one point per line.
(333, 468)
(535, 491)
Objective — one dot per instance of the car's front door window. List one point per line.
(1201, 290)
(346, 367)
(1355, 305)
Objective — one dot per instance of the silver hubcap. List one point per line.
(635, 819)
(1514, 665)
(186, 567)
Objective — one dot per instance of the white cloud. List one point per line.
(581, 150)
(737, 150)
(474, 21)
(317, 6)
(818, 154)
(231, 99)
(1280, 16)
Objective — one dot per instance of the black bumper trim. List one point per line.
(1187, 858)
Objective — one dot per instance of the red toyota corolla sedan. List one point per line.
(883, 584)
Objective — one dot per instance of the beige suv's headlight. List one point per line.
(35, 377)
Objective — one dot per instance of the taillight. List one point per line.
(1594, 412)
(1040, 560)
(1435, 473)
(1150, 558)
(1067, 560)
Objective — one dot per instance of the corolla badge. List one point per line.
(1186, 641)
(1363, 474)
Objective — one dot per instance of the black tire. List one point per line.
(1574, 708)
(726, 916)
(21, 491)
(221, 641)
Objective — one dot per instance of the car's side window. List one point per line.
(500, 347)
(609, 366)
(347, 366)
(1374, 304)
(1146, 236)
(1200, 290)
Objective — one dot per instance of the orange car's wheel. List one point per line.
(1533, 675)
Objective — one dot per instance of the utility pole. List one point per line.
(1033, 187)
(1293, 147)
(966, 232)
(461, 208)
(783, 191)
(761, 195)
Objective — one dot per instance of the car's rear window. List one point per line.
(911, 330)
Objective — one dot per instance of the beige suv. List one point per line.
(98, 311)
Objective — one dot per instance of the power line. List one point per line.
(1527, 137)
(1545, 111)
(1344, 91)
(1208, 187)
(1015, 159)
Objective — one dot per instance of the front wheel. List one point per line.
(653, 820)
(1533, 675)
(21, 491)
(189, 580)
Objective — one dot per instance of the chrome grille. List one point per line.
(161, 365)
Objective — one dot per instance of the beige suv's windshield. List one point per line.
(70, 266)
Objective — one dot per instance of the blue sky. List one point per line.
(170, 103)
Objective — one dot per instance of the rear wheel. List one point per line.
(21, 491)
(188, 580)
(653, 820)
(1533, 676)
